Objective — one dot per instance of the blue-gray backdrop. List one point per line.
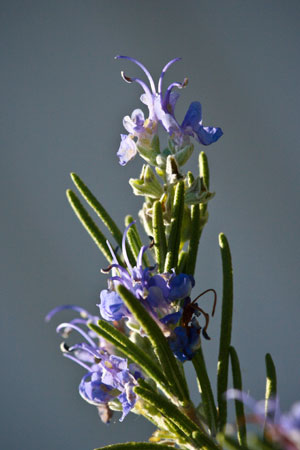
(62, 103)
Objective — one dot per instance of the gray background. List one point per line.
(62, 102)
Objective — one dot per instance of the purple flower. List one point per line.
(282, 428)
(159, 293)
(161, 109)
(185, 341)
(108, 376)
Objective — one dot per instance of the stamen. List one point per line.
(147, 73)
(137, 80)
(79, 330)
(182, 85)
(82, 311)
(159, 86)
(73, 358)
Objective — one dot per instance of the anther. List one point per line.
(125, 78)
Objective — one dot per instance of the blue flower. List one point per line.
(161, 110)
(283, 429)
(108, 376)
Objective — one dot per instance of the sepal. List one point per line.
(147, 184)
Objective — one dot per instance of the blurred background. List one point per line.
(62, 104)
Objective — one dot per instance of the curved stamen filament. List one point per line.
(79, 330)
(82, 311)
(146, 72)
(73, 358)
(182, 85)
(159, 86)
(137, 80)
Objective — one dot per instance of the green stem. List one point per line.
(226, 325)
(239, 406)
(88, 223)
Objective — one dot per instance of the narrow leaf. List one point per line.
(175, 227)
(231, 443)
(89, 224)
(182, 262)
(132, 351)
(239, 406)
(136, 446)
(226, 325)
(173, 413)
(206, 390)
(136, 237)
(194, 240)
(159, 342)
(271, 387)
(204, 169)
(98, 208)
(160, 243)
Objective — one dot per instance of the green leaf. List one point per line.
(226, 325)
(181, 420)
(182, 262)
(194, 240)
(136, 446)
(239, 406)
(204, 169)
(160, 243)
(160, 345)
(175, 228)
(98, 208)
(206, 390)
(88, 223)
(137, 239)
(231, 443)
(132, 351)
(271, 386)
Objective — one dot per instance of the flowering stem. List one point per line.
(271, 386)
(205, 390)
(89, 224)
(160, 243)
(132, 351)
(175, 228)
(239, 406)
(159, 342)
(226, 325)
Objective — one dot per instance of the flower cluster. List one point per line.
(161, 108)
(108, 377)
(165, 296)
